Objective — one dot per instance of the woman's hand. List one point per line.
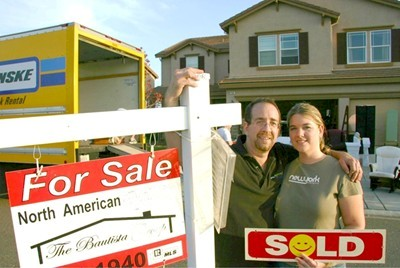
(305, 261)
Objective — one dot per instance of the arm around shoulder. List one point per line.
(350, 165)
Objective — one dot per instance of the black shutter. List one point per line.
(253, 51)
(341, 48)
(395, 45)
(303, 45)
(182, 63)
(201, 62)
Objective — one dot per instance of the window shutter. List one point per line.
(201, 62)
(253, 51)
(395, 45)
(341, 48)
(303, 45)
(182, 63)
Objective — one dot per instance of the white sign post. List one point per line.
(196, 121)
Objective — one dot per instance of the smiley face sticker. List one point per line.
(302, 243)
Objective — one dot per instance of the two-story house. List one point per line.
(342, 56)
(208, 53)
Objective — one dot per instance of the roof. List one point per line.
(297, 3)
(392, 3)
(219, 43)
(150, 71)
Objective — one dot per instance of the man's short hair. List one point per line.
(249, 108)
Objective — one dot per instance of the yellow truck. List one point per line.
(66, 69)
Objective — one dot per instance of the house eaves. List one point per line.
(219, 43)
(150, 71)
(391, 3)
(324, 12)
(356, 77)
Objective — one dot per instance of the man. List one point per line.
(258, 171)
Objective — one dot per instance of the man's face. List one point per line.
(263, 130)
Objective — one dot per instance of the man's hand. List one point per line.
(180, 79)
(351, 166)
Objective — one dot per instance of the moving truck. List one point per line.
(66, 69)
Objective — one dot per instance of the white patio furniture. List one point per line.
(386, 168)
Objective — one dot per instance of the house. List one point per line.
(209, 53)
(342, 56)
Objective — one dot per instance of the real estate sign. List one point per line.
(123, 211)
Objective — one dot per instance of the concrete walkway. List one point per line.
(380, 201)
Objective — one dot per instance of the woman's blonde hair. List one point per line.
(312, 112)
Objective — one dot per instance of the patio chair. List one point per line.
(386, 169)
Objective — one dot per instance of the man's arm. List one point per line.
(180, 79)
(349, 164)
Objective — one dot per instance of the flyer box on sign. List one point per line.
(349, 246)
(123, 211)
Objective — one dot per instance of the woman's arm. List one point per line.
(352, 209)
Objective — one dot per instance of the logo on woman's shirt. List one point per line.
(304, 179)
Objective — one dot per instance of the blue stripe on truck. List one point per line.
(52, 79)
(54, 64)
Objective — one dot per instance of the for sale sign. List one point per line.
(350, 246)
(116, 212)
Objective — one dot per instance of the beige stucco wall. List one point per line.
(268, 20)
(221, 66)
(166, 71)
(374, 14)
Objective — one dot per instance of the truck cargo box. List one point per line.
(66, 69)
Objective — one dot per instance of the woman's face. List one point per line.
(305, 134)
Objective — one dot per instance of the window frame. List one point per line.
(352, 48)
(297, 48)
(387, 46)
(368, 47)
(277, 48)
(194, 58)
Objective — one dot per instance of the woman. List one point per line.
(316, 193)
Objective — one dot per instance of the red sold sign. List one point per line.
(350, 246)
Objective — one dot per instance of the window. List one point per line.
(192, 61)
(380, 46)
(289, 49)
(278, 49)
(369, 47)
(267, 50)
(357, 47)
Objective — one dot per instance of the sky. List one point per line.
(152, 25)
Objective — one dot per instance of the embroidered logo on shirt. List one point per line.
(304, 179)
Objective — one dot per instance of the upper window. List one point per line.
(192, 61)
(280, 49)
(368, 47)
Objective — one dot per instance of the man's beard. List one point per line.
(265, 147)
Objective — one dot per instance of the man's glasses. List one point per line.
(261, 123)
